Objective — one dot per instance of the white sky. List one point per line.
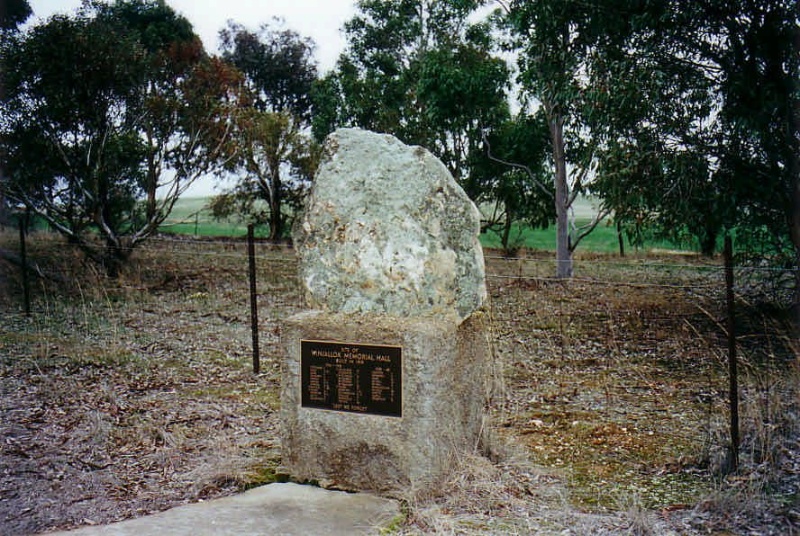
(320, 20)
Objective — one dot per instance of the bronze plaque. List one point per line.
(360, 378)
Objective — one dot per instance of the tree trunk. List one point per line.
(794, 168)
(563, 252)
(150, 212)
(275, 217)
(114, 258)
(3, 206)
(506, 236)
(708, 243)
(796, 297)
(151, 186)
(5, 212)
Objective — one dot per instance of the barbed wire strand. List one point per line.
(279, 249)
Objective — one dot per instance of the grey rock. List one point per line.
(387, 230)
(445, 388)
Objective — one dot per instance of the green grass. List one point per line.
(603, 239)
(191, 216)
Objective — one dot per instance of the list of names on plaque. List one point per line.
(358, 378)
(316, 390)
(382, 385)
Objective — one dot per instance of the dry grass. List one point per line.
(608, 417)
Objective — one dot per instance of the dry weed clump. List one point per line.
(764, 494)
(516, 498)
(479, 497)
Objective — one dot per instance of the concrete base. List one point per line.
(445, 382)
(286, 509)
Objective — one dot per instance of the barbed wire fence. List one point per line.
(696, 275)
(264, 275)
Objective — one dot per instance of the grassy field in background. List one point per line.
(603, 239)
(192, 217)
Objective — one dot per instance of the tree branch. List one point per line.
(586, 230)
(525, 168)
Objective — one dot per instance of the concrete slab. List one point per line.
(275, 509)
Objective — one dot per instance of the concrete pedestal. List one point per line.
(445, 374)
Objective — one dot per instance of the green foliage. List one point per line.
(561, 47)
(513, 179)
(156, 25)
(655, 153)
(420, 71)
(759, 77)
(682, 117)
(455, 83)
(427, 74)
(13, 13)
(269, 135)
(115, 105)
(278, 65)
(710, 146)
(59, 134)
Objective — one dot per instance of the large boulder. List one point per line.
(387, 230)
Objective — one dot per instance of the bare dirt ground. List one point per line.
(122, 398)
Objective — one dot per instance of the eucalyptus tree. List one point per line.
(754, 47)
(274, 156)
(109, 116)
(680, 115)
(756, 54)
(571, 70)
(509, 179)
(421, 70)
(13, 13)
(713, 146)
(654, 110)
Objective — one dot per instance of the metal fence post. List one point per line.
(733, 391)
(23, 253)
(251, 253)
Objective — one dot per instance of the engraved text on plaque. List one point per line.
(360, 378)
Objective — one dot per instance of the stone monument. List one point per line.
(385, 376)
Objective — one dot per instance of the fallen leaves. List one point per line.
(120, 400)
